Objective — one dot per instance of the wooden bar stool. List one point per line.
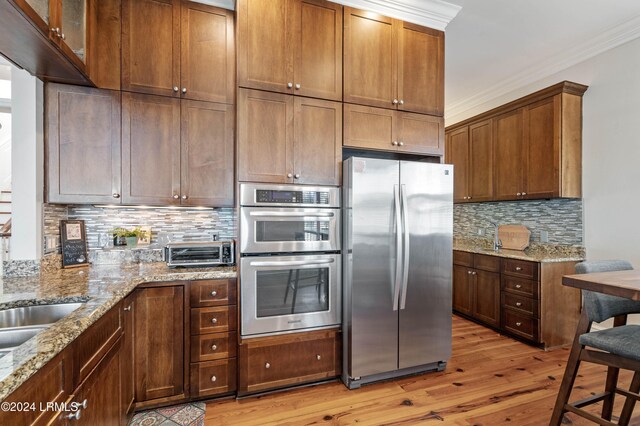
(617, 348)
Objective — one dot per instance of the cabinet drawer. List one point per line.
(213, 320)
(463, 258)
(213, 293)
(521, 287)
(486, 263)
(207, 347)
(213, 377)
(520, 268)
(520, 324)
(522, 304)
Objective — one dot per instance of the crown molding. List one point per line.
(225, 4)
(430, 13)
(607, 40)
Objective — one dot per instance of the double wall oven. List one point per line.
(290, 258)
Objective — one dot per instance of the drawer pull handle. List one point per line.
(518, 268)
(267, 365)
(84, 403)
(518, 324)
(518, 304)
(74, 416)
(214, 320)
(214, 347)
(214, 378)
(518, 286)
(214, 293)
(318, 357)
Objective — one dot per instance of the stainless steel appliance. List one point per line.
(398, 227)
(209, 253)
(290, 264)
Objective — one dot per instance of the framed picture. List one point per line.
(74, 243)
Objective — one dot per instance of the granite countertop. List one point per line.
(101, 287)
(543, 253)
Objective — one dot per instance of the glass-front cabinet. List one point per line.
(73, 26)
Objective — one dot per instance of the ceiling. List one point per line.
(496, 46)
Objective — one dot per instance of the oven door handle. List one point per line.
(292, 262)
(291, 214)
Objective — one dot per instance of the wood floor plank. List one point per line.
(490, 380)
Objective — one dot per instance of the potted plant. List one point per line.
(130, 236)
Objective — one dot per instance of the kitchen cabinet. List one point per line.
(536, 143)
(392, 64)
(267, 363)
(476, 286)
(286, 139)
(190, 55)
(470, 150)
(159, 343)
(193, 141)
(291, 46)
(395, 131)
(128, 356)
(82, 145)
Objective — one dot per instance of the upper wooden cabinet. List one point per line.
(536, 143)
(83, 145)
(178, 49)
(282, 139)
(392, 64)
(386, 130)
(291, 46)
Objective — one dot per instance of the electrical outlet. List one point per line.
(544, 236)
(481, 232)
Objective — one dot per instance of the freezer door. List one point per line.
(425, 300)
(370, 323)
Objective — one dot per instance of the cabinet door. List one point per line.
(73, 40)
(150, 149)
(370, 59)
(265, 52)
(458, 155)
(265, 137)
(159, 342)
(420, 134)
(542, 143)
(508, 156)
(481, 161)
(151, 46)
(207, 170)
(101, 391)
(420, 69)
(207, 53)
(462, 290)
(318, 141)
(82, 145)
(487, 297)
(318, 49)
(372, 128)
(127, 359)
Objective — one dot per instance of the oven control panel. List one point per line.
(270, 196)
(264, 195)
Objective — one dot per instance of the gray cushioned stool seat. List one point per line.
(623, 341)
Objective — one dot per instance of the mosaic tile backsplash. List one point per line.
(177, 224)
(561, 218)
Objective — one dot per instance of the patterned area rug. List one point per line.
(182, 415)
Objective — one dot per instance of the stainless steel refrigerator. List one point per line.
(397, 263)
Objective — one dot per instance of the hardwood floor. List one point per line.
(490, 380)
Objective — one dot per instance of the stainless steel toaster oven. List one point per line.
(209, 253)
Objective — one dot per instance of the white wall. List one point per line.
(611, 148)
(27, 166)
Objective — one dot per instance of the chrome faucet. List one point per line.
(497, 243)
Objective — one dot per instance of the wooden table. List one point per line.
(619, 283)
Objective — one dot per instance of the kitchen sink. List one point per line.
(13, 337)
(35, 315)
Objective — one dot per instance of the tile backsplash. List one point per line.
(561, 218)
(179, 224)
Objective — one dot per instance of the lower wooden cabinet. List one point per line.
(213, 377)
(476, 287)
(278, 361)
(128, 358)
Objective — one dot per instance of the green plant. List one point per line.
(126, 233)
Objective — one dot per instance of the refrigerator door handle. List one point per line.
(397, 218)
(407, 241)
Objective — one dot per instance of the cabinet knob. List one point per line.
(289, 85)
(176, 196)
(395, 102)
(267, 365)
(401, 102)
(128, 308)
(289, 175)
(74, 416)
(84, 403)
(318, 357)
(214, 378)
(469, 272)
(115, 195)
(214, 293)
(62, 36)
(468, 198)
(518, 304)
(214, 320)
(401, 143)
(175, 89)
(298, 86)
(519, 194)
(214, 347)
(524, 193)
(297, 176)
(474, 273)
(518, 324)
(394, 143)
(184, 90)
(518, 286)
(185, 197)
(518, 268)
